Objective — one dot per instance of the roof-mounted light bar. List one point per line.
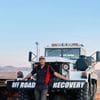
(66, 44)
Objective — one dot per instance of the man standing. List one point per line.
(42, 72)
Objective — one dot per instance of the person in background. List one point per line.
(43, 76)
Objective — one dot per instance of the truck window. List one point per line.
(71, 53)
(53, 52)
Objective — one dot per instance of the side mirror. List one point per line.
(30, 56)
(98, 56)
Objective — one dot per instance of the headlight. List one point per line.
(20, 74)
(66, 67)
(84, 74)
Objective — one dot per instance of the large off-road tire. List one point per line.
(84, 94)
(94, 90)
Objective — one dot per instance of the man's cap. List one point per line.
(41, 57)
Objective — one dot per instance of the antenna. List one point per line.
(37, 49)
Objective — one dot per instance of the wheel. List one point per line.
(84, 94)
(94, 90)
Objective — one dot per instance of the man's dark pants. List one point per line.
(40, 94)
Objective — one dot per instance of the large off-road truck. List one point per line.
(82, 83)
(70, 60)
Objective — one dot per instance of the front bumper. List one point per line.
(68, 84)
(54, 85)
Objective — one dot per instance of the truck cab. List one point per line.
(70, 51)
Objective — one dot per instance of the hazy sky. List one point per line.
(22, 22)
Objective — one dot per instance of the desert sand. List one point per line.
(98, 86)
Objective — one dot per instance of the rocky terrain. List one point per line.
(10, 72)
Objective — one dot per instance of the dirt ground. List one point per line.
(98, 93)
(98, 96)
(7, 75)
(98, 88)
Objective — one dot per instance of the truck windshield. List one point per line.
(71, 53)
(53, 52)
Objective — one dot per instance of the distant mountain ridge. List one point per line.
(11, 68)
